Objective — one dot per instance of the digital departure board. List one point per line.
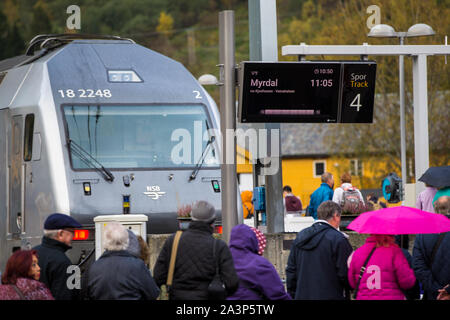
(315, 92)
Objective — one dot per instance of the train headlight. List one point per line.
(123, 76)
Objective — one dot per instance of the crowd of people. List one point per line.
(322, 264)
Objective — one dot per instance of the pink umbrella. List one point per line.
(400, 220)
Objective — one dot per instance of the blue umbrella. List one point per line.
(438, 177)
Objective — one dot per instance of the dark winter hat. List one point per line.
(60, 221)
(203, 211)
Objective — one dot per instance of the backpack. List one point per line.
(293, 204)
(351, 203)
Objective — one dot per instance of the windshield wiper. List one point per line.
(90, 161)
(201, 160)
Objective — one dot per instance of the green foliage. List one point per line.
(188, 33)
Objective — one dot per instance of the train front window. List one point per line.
(164, 136)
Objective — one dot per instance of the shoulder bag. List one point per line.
(361, 272)
(19, 293)
(436, 247)
(165, 294)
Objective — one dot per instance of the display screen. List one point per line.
(306, 91)
(358, 92)
(289, 92)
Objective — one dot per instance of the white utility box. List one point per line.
(134, 222)
(296, 223)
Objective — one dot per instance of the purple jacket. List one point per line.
(425, 199)
(258, 279)
(31, 290)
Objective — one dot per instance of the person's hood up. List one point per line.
(242, 237)
(309, 238)
(133, 244)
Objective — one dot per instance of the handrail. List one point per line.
(44, 39)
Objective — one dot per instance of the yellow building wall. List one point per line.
(299, 175)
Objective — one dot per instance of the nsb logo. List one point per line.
(154, 192)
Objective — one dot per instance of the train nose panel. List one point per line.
(157, 194)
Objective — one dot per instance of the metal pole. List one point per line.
(421, 147)
(264, 47)
(228, 122)
(401, 75)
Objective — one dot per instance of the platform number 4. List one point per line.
(356, 102)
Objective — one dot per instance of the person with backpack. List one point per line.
(198, 258)
(348, 197)
(292, 203)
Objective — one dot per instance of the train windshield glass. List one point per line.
(141, 136)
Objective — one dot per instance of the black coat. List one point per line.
(54, 267)
(119, 275)
(317, 264)
(436, 276)
(195, 266)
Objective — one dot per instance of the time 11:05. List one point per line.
(322, 83)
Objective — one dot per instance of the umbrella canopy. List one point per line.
(437, 177)
(400, 220)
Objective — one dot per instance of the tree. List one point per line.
(3, 35)
(40, 21)
(345, 23)
(15, 42)
(165, 24)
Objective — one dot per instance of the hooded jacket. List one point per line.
(387, 272)
(317, 264)
(258, 279)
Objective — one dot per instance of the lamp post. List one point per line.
(386, 31)
(208, 79)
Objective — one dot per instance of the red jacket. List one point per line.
(31, 289)
(387, 272)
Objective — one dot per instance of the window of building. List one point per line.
(319, 168)
(356, 167)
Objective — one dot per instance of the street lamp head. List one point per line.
(208, 79)
(420, 29)
(382, 31)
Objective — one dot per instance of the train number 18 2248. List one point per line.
(85, 93)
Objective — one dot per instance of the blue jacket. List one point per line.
(317, 265)
(433, 277)
(323, 193)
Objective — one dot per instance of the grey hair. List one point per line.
(116, 237)
(52, 234)
(326, 176)
(327, 209)
(442, 205)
